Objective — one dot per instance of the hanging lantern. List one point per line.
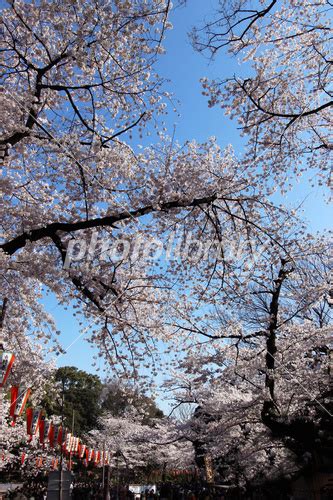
(51, 434)
(82, 450)
(13, 401)
(72, 444)
(33, 420)
(44, 426)
(97, 457)
(41, 428)
(76, 444)
(44, 430)
(56, 435)
(36, 416)
(68, 442)
(90, 455)
(29, 420)
(19, 398)
(61, 435)
(6, 363)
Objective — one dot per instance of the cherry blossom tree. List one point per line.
(137, 445)
(76, 80)
(260, 381)
(240, 295)
(283, 99)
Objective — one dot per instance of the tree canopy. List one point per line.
(176, 257)
(78, 395)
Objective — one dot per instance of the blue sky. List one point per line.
(184, 68)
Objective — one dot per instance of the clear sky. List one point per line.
(184, 67)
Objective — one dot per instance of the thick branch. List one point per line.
(48, 231)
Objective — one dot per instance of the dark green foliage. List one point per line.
(86, 396)
(82, 395)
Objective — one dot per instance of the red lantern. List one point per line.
(58, 433)
(51, 434)
(82, 450)
(43, 428)
(29, 420)
(68, 442)
(19, 398)
(13, 400)
(6, 363)
(33, 421)
(97, 457)
(75, 444)
(36, 416)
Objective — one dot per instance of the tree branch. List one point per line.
(48, 231)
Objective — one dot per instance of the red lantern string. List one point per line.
(55, 434)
